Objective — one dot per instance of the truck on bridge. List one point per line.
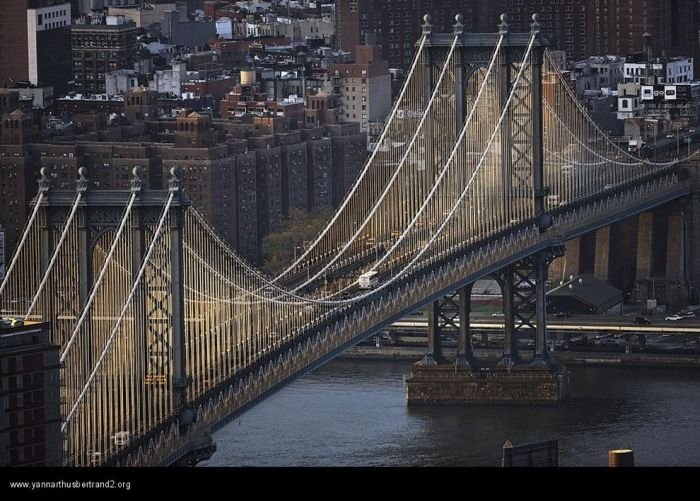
(635, 145)
(368, 280)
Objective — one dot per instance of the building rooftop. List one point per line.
(14, 323)
(661, 60)
(92, 97)
(254, 7)
(602, 60)
(158, 47)
(292, 99)
(17, 334)
(589, 290)
(108, 23)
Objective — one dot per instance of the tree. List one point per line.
(299, 227)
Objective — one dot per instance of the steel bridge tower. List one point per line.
(522, 172)
(159, 311)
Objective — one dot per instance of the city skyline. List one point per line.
(228, 196)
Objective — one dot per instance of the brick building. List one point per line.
(349, 148)
(244, 177)
(582, 28)
(101, 45)
(364, 87)
(248, 99)
(30, 421)
(35, 42)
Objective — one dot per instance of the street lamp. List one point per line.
(373, 242)
(649, 131)
(653, 290)
(627, 295)
(308, 268)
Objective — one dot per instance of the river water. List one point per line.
(354, 413)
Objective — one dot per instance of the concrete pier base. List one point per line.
(447, 384)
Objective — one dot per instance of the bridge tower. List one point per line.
(158, 301)
(522, 172)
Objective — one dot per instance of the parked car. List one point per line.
(386, 337)
(120, 438)
(642, 321)
(498, 314)
(11, 322)
(525, 343)
(674, 317)
(562, 314)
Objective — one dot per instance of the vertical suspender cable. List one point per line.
(56, 252)
(340, 211)
(103, 272)
(128, 301)
(18, 251)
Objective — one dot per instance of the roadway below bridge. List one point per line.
(582, 339)
(672, 145)
(580, 324)
(668, 353)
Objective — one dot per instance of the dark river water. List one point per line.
(354, 413)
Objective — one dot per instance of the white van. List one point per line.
(554, 200)
(120, 438)
(368, 280)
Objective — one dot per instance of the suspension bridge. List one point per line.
(487, 165)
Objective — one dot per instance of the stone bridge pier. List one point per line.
(525, 373)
